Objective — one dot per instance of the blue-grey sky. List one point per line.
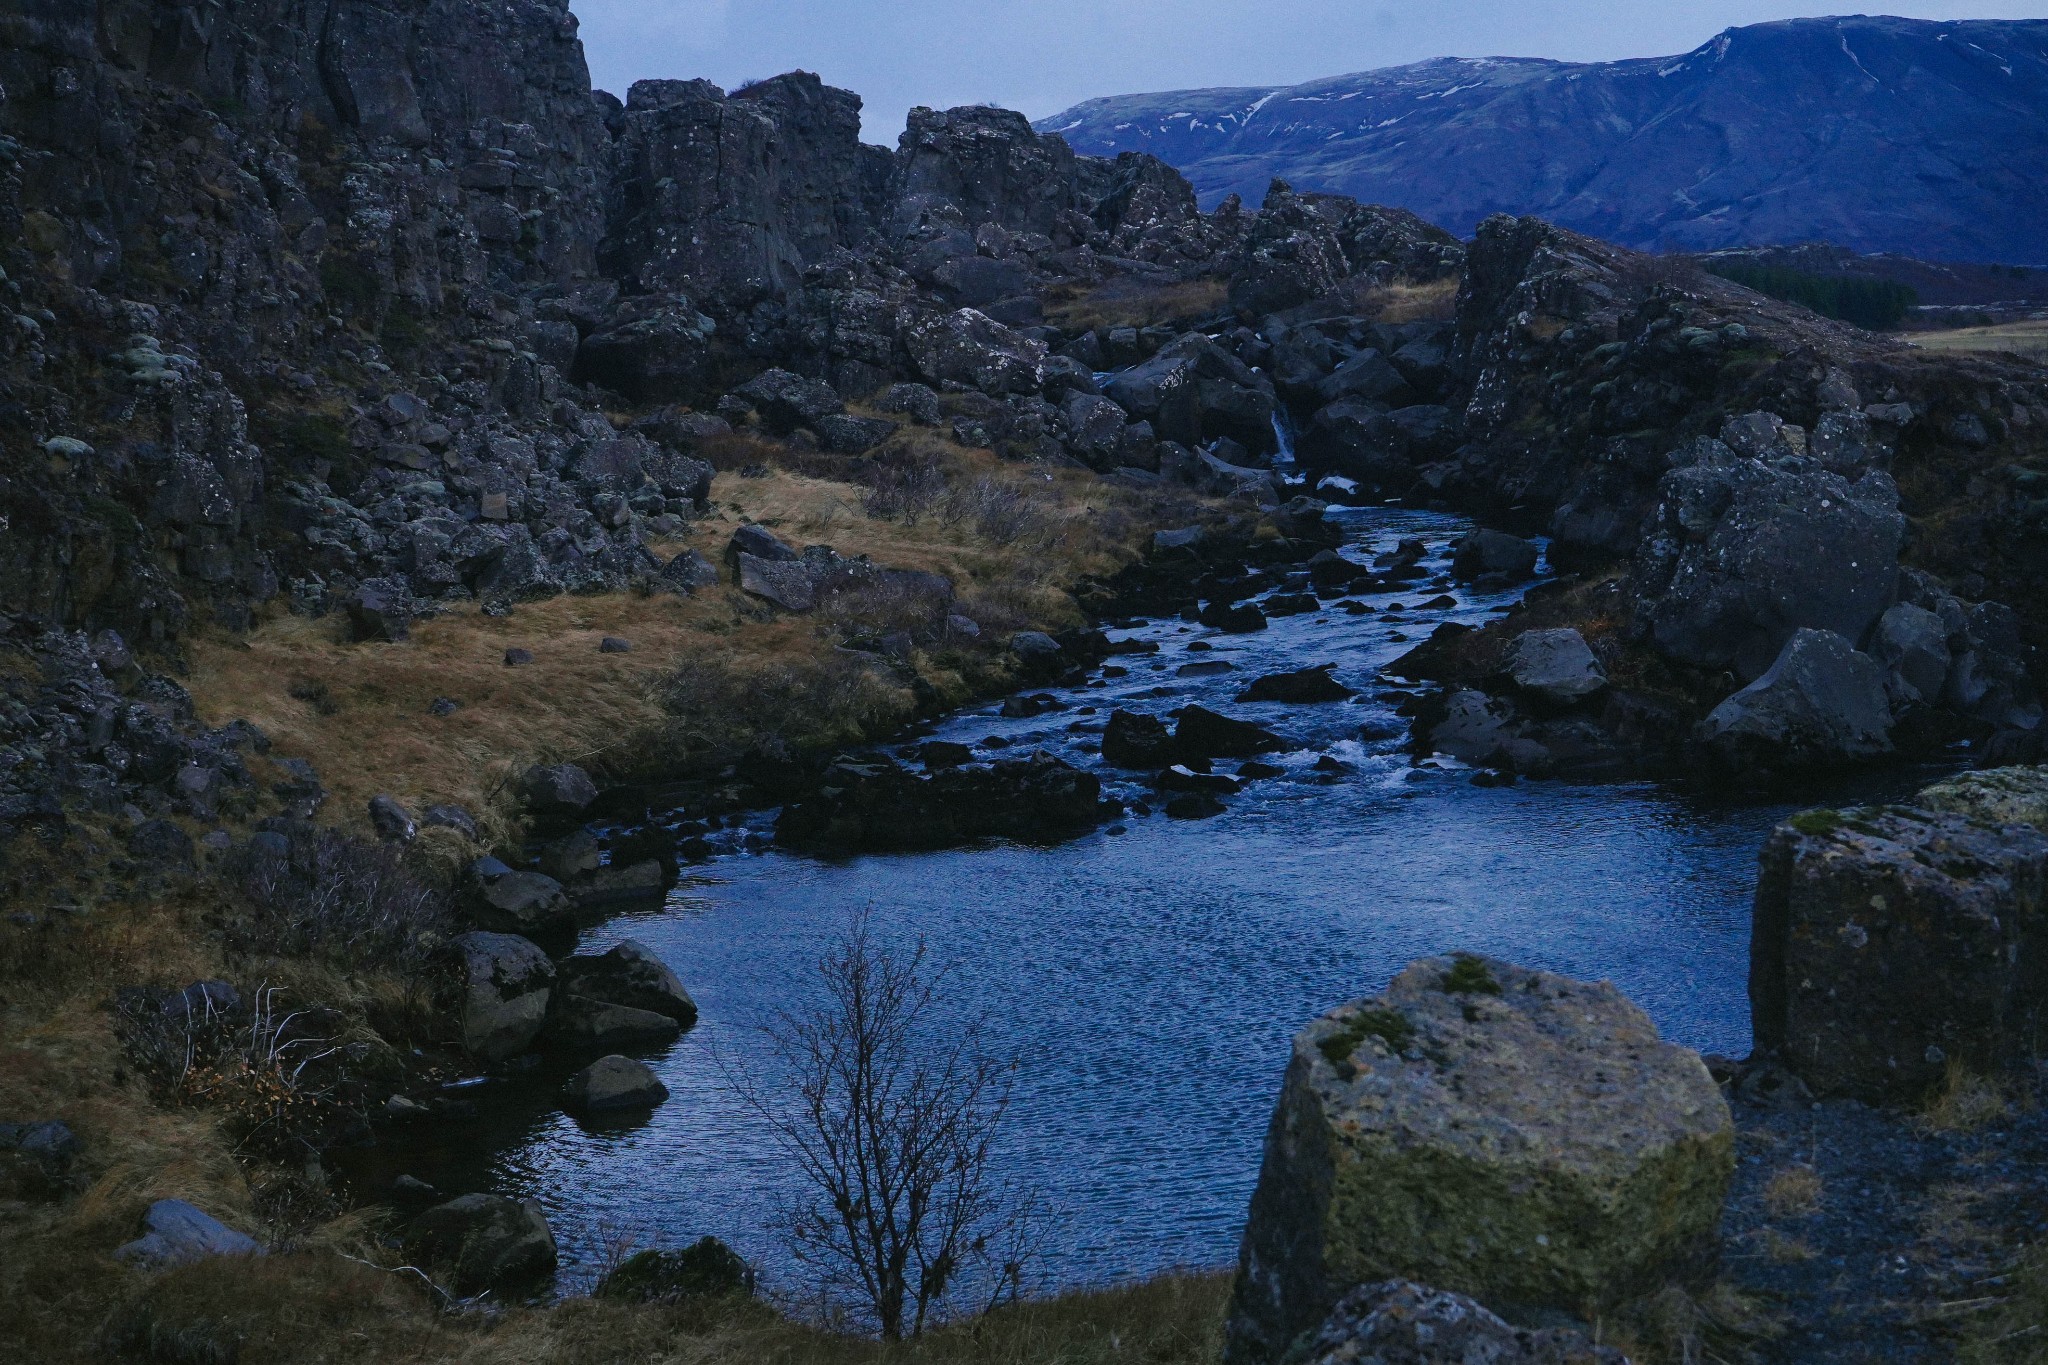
(1042, 55)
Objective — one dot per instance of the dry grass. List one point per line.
(2027, 340)
(359, 711)
(1793, 1192)
(1404, 301)
(1128, 303)
(1966, 1102)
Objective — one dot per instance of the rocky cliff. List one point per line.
(363, 310)
(1880, 134)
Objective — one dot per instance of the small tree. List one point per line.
(890, 1111)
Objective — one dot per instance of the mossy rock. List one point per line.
(707, 1268)
(2001, 796)
(1534, 1145)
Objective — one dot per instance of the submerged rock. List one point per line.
(1517, 1136)
(611, 1084)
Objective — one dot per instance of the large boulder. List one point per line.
(787, 401)
(1555, 665)
(1193, 391)
(971, 350)
(1821, 703)
(1302, 687)
(611, 1084)
(629, 974)
(1514, 1135)
(1739, 554)
(177, 1233)
(485, 1241)
(582, 1023)
(500, 986)
(653, 350)
(1486, 553)
(557, 790)
(1400, 1322)
(1889, 942)
(518, 902)
(1999, 796)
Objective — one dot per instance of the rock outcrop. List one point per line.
(1890, 943)
(1516, 1136)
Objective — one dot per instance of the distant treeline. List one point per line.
(1875, 304)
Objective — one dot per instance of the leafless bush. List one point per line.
(891, 602)
(1000, 511)
(905, 492)
(775, 707)
(330, 895)
(890, 1111)
(281, 1079)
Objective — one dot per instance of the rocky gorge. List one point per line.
(365, 372)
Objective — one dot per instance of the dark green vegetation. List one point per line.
(1876, 304)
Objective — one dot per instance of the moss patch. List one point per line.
(1389, 1026)
(1816, 822)
(1469, 976)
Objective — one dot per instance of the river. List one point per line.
(1150, 975)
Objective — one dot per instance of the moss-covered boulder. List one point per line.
(1516, 1136)
(2002, 796)
(1891, 942)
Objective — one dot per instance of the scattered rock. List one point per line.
(584, 1023)
(1303, 687)
(1481, 553)
(484, 1241)
(392, 820)
(1556, 665)
(517, 657)
(1202, 733)
(177, 1233)
(1399, 1322)
(629, 974)
(559, 790)
(501, 985)
(612, 644)
(613, 1083)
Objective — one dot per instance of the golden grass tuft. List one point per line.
(1128, 303)
(1966, 1102)
(1793, 1192)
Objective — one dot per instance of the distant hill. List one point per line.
(1923, 138)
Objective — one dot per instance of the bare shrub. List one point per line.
(889, 1107)
(775, 707)
(904, 491)
(329, 895)
(282, 1080)
(999, 510)
(888, 603)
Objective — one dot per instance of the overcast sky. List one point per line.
(1041, 56)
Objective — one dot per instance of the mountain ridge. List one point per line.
(1927, 138)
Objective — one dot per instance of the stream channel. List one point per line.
(1150, 975)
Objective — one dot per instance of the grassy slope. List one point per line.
(359, 712)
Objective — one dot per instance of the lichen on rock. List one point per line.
(1534, 1145)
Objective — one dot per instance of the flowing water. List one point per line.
(1151, 974)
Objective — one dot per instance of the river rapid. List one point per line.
(1149, 976)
